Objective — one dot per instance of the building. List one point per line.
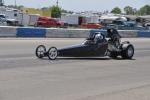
(23, 19)
(79, 18)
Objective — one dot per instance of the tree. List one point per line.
(116, 10)
(145, 10)
(129, 10)
(55, 11)
(16, 7)
(66, 11)
(20, 7)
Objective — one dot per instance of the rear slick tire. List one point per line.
(128, 53)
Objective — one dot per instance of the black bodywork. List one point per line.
(84, 50)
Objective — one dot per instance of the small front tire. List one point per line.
(52, 53)
(40, 51)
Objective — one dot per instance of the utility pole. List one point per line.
(1, 2)
(57, 3)
(15, 4)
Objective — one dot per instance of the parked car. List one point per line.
(49, 22)
(147, 24)
(91, 25)
(2, 19)
(124, 23)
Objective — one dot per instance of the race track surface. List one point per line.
(25, 77)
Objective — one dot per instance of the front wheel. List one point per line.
(40, 51)
(128, 52)
(52, 53)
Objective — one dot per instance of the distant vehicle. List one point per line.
(3, 19)
(144, 20)
(33, 19)
(12, 22)
(91, 25)
(147, 24)
(49, 22)
(8, 21)
(124, 23)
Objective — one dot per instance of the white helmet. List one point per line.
(98, 36)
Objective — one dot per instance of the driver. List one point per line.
(113, 33)
(114, 36)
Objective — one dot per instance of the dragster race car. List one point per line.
(96, 45)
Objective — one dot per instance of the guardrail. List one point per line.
(67, 33)
(8, 31)
(63, 33)
(144, 33)
(31, 32)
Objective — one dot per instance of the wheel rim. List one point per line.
(40, 51)
(53, 53)
(130, 51)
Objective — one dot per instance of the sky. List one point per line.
(81, 5)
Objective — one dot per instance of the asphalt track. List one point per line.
(24, 77)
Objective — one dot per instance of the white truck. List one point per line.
(4, 20)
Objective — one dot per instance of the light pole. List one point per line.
(57, 2)
(15, 4)
(1, 2)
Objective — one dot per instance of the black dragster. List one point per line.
(96, 45)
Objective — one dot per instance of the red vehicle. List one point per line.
(91, 25)
(49, 22)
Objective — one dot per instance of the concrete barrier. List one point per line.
(128, 33)
(63, 33)
(67, 33)
(97, 30)
(6, 31)
(31, 32)
(143, 33)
